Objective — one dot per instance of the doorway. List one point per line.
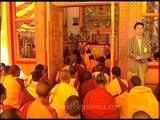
(79, 39)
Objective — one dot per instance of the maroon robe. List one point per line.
(98, 103)
(87, 86)
(26, 97)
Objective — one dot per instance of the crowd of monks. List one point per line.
(83, 89)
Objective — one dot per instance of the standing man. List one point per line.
(139, 50)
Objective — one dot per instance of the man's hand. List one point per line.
(138, 58)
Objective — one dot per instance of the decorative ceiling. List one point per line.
(25, 10)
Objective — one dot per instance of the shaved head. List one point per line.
(64, 75)
(141, 115)
(43, 89)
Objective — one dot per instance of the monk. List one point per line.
(40, 107)
(101, 60)
(140, 115)
(3, 97)
(91, 63)
(118, 88)
(100, 68)
(66, 65)
(118, 85)
(98, 103)
(44, 71)
(140, 98)
(29, 93)
(73, 105)
(14, 87)
(12, 113)
(74, 78)
(80, 68)
(86, 57)
(60, 93)
(89, 84)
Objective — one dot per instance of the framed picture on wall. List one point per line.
(25, 39)
(75, 21)
(24, 31)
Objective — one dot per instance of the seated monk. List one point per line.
(5, 72)
(66, 65)
(98, 103)
(74, 78)
(14, 87)
(100, 68)
(89, 84)
(12, 113)
(44, 72)
(140, 98)
(40, 107)
(118, 87)
(73, 106)
(60, 93)
(141, 115)
(29, 93)
(108, 61)
(91, 63)
(3, 97)
(80, 69)
(101, 60)
(86, 57)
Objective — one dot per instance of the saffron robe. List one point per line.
(141, 98)
(114, 87)
(37, 109)
(75, 83)
(14, 87)
(91, 64)
(119, 91)
(59, 95)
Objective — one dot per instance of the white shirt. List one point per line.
(139, 44)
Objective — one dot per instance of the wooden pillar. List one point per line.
(112, 39)
(40, 28)
(128, 16)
